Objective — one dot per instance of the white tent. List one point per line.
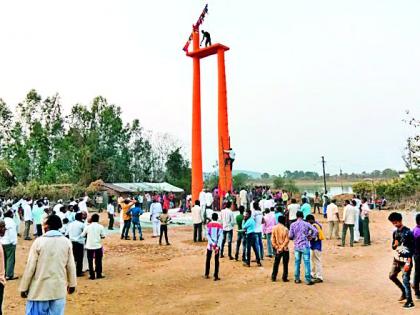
(144, 187)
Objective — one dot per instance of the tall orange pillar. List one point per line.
(196, 159)
(225, 173)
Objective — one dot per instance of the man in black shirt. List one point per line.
(206, 36)
(403, 244)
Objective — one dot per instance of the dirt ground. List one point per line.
(145, 278)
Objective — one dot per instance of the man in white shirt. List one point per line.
(228, 221)
(9, 241)
(197, 221)
(27, 217)
(349, 216)
(16, 215)
(155, 211)
(72, 202)
(243, 196)
(57, 208)
(258, 217)
(94, 233)
(293, 208)
(202, 198)
(364, 214)
(74, 233)
(110, 209)
(209, 199)
(333, 218)
(83, 204)
(357, 219)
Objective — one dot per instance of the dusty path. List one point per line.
(145, 278)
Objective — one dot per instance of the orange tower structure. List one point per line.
(225, 172)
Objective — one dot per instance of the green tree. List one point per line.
(240, 180)
(278, 182)
(265, 176)
(178, 171)
(290, 185)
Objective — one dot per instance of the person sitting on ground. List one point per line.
(403, 244)
(206, 37)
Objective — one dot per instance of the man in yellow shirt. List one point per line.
(125, 207)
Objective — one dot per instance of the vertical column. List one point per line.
(225, 173)
(196, 159)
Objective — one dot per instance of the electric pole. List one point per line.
(323, 171)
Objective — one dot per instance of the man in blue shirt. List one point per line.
(305, 207)
(251, 240)
(136, 212)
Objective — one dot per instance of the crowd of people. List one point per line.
(266, 224)
(279, 219)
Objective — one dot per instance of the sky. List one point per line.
(305, 78)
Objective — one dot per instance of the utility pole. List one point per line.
(323, 171)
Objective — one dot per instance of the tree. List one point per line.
(240, 180)
(362, 188)
(411, 156)
(265, 176)
(290, 185)
(178, 171)
(278, 182)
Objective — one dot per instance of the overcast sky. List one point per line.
(305, 78)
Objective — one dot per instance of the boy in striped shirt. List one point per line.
(215, 238)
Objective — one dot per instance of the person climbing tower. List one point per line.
(206, 36)
(230, 157)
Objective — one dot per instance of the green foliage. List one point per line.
(178, 171)
(290, 185)
(240, 180)
(212, 181)
(278, 182)
(265, 176)
(363, 188)
(393, 190)
(41, 145)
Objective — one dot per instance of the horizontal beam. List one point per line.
(207, 51)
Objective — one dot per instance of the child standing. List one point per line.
(95, 234)
(136, 212)
(403, 244)
(164, 219)
(316, 249)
